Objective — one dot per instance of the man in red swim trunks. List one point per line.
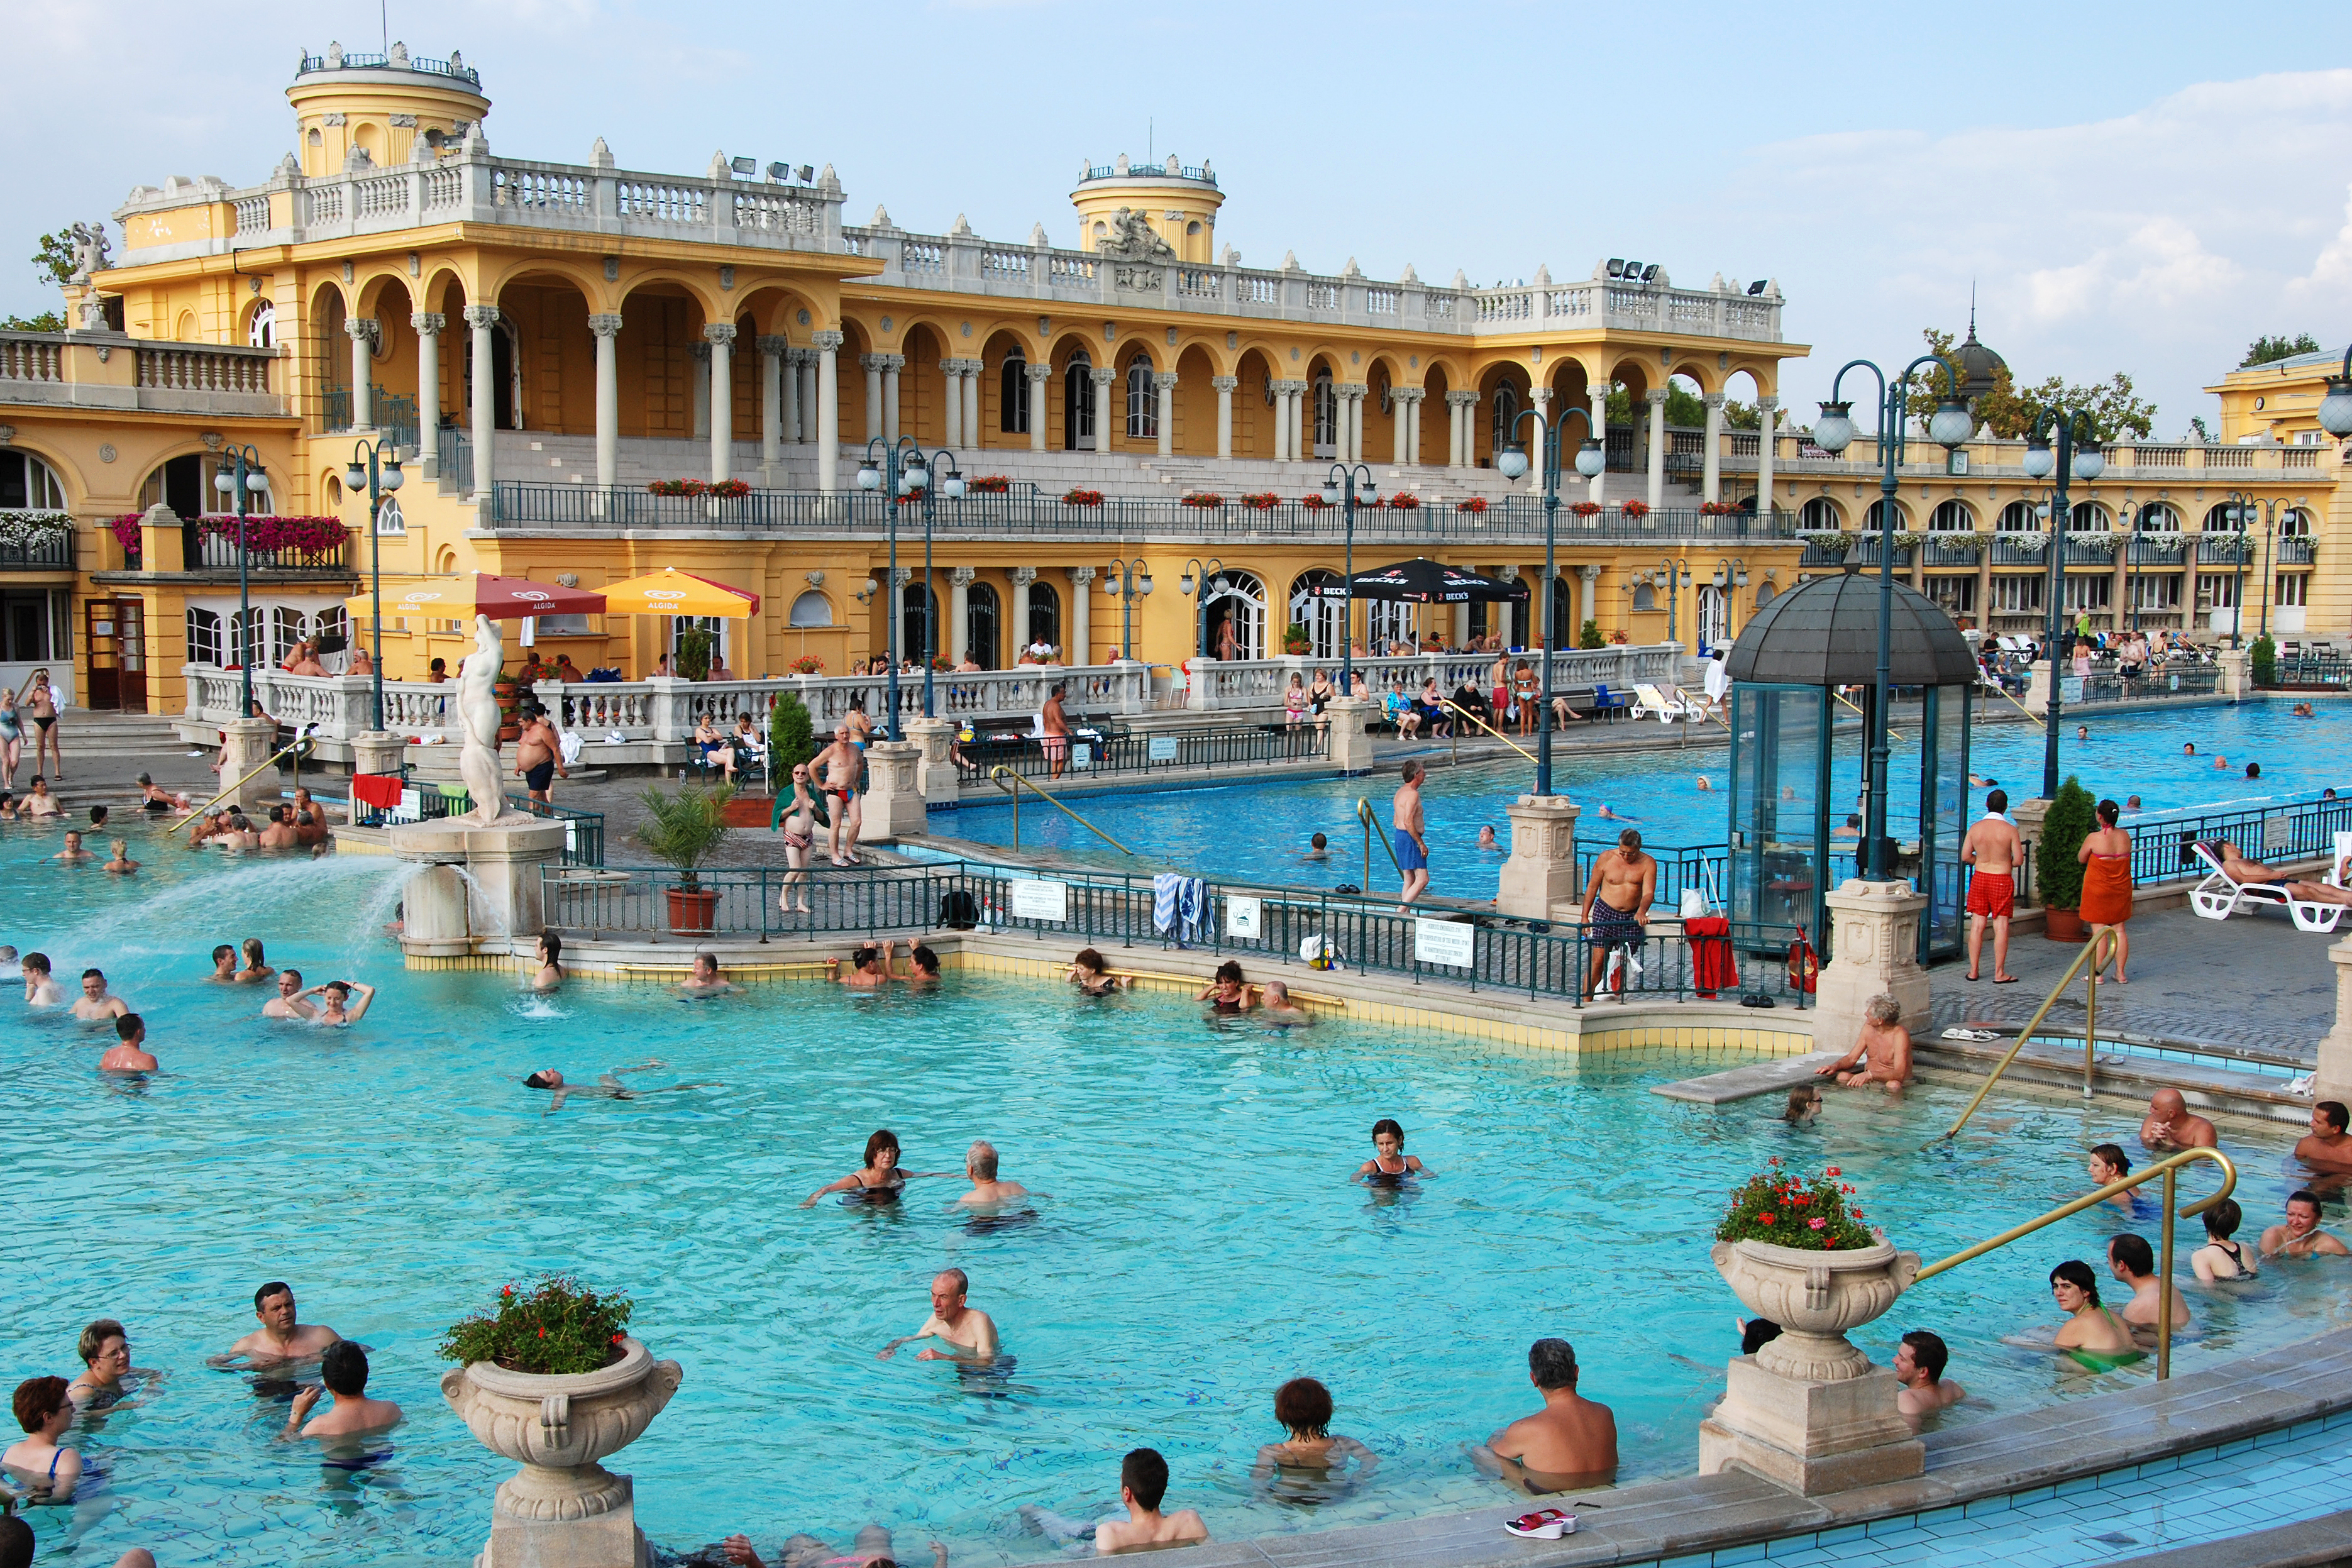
(1993, 851)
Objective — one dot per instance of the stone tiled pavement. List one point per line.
(2251, 980)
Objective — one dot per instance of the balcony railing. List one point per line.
(205, 550)
(394, 413)
(2296, 552)
(79, 370)
(1517, 518)
(48, 552)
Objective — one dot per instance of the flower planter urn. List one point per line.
(693, 911)
(562, 1508)
(1808, 1410)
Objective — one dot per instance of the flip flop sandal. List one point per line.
(1550, 1524)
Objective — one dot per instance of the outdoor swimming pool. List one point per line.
(1200, 1244)
(1258, 831)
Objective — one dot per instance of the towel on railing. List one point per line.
(376, 789)
(1178, 906)
(1713, 968)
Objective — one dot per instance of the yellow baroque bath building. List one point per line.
(543, 342)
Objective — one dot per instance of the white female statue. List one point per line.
(477, 715)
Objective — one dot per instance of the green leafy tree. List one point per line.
(2263, 658)
(792, 736)
(2068, 822)
(2270, 350)
(46, 322)
(54, 258)
(685, 828)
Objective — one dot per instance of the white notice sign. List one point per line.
(1240, 917)
(1449, 943)
(1163, 749)
(1041, 900)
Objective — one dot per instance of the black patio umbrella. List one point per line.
(1421, 581)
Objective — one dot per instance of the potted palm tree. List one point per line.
(684, 828)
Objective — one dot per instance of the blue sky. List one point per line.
(2141, 189)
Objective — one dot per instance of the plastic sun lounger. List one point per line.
(1648, 700)
(2219, 896)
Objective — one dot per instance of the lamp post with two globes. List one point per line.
(899, 469)
(375, 463)
(1591, 459)
(240, 481)
(2073, 456)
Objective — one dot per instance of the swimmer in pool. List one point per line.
(550, 974)
(873, 1546)
(41, 989)
(281, 1336)
(1390, 1165)
(1228, 993)
(344, 1370)
(1804, 1105)
(96, 1003)
(969, 1332)
(979, 1169)
(1276, 1008)
(336, 1010)
(879, 1180)
(1303, 1406)
(122, 865)
(224, 965)
(705, 980)
(288, 1003)
(130, 1053)
(2092, 1337)
(1486, 839)
(1090, 974)
(2106, 1164)
(870, 968)
(1318, 849)
(608, 1085)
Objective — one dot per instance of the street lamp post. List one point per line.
(375, 463)
(2074, 457)
(1949, 426)
(1197, 579)
(1677, 571)
(1343, 486)
(900, 469)
(1591, 459)
(239, 482)
(950, 485)
(1129, 580)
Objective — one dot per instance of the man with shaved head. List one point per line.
(2171, 1126)
(969, 1333)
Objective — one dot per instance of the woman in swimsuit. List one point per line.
(2094, 1337)
(800, 836)
(1092, 975)
(12, 736)
(41, 702)
(1303, 1406)
(2108, 1163)
(1228, 993)
(880, 1181)
(1320, 693)
(2220, 1259)
(44, 1470)
(1294, 701)
(1390, 1165)
(1525, 691)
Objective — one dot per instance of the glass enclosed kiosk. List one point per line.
(1803, 682)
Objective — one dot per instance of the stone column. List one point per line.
(1164, 385)
(971, 370)
(2333, 1080)
(364, 330)
(894, 797)
(792, 366)
(1040, 406)
(1351, 748)
(1461, 450)
(608, 329)
(2237, 670)
(1768, 439)
(956, 637)
(1412, 434)
(828, 412)
(721, 338)
(1540, 397)
(1875, 950)
(806, 378)
(1225, 386)
(936, 777)
(1401, 433)
(1302, 448)
(1019, 630)
(377, 751)
(773, 349)
(1281, 419)
(427, 325)
(1712, 485)
(872, 364)
(700, 377)
(1541, 871)
(1104, 375)
(891, 365)
(246, 744)
(1587, 575)
(484, 320)
(1080, 650)
(1600, 409)
(1656, 492)
(2118, 593)
(951, 381)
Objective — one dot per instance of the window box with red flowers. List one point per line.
(987, 485)
(1405, 502)
(1475, 503)
(730, 490)
(1316, 503)
(807, 664)
(1635, 509)
(679, 487)
(1082, 497)
(1588, 509)
(1203, 500)
(1262, 500)
(1718, 509)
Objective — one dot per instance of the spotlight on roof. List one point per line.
(1616, 266)
(780, 172)
(744, 165)
(808, 173)
(1650, 273)
(1756, 286)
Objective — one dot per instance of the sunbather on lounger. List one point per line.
(2238, 868)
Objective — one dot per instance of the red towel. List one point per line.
(1711, 961)
(376, 789)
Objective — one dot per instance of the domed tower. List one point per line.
(1176, 202)
(380, 105)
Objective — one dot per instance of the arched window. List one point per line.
(390, 520)
(1876, 518)
(2231, 518)
(1013, 394)
(1326, 416)
(1240, 605)
(2294, 522)
(1820, 515)
(1952, 516)
(1142, 406)
(1044, 616)
(1325, 618)
(26, 482)
(203, 637)
(261, 331)
(1507, 415)
(286, 628)
(811, 609)
(1389, 625)
(1645, 596)
(981, 636)
(1079, 403)
(2088, 517)
(2019, 517)
(2157, 518)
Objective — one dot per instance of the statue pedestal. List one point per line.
(1811, 1436)
(473, 881)
(378, 752)
(894, 802)
(2333, 1080)
(1541, 871)
(1875, 950)
(1351, 748)
(936, 778)
(246, 744)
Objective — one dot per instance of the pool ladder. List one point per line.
(2090, 1027)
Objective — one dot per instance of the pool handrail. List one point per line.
(2090, 1035)
(1850, 702)
(2168, 1168)
(299, 744)
(1000, 774)
(1364, 815)
(1459, 711)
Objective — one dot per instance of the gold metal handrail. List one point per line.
(2090, 1031)
(2168, 1168)
(296, 745)
(2022, 708)
(1000, 774)
(1461, 712)
(1858, 714)
(1364, 815)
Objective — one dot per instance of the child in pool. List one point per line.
(1390, 1165)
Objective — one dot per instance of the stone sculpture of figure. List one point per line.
(1133, 237)
(477, 715)
(91, 248)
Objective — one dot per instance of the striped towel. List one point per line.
(1180, 907)
(1192, 900)
(1166, 889)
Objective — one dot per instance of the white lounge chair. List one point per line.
(1650, 699)
(2220, 896)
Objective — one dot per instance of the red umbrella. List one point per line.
(481, 593)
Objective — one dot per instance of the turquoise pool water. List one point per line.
(1200, 1244)
(1259, 831)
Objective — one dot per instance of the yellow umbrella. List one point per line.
(670, 592)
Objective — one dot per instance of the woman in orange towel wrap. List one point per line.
(2105, 858)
